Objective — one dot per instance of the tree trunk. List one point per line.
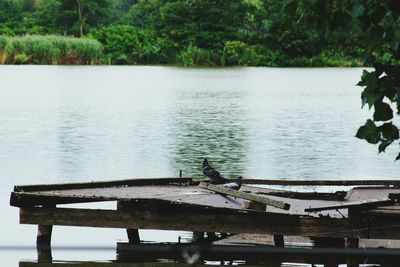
(80, 17)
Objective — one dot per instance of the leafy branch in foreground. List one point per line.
(380, 20)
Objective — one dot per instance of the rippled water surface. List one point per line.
(64, 124)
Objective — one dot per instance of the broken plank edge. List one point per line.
(247, 196)
(354, 204)
(102, 184)
(312, 182)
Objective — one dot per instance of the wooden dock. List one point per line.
(181, 204)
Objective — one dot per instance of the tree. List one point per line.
(77, 16)
(10, 14)
(204, 23)
(381, 22)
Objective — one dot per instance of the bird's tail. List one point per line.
(205, 163)
(239, 180)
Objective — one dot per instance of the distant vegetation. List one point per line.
(49, 49)
(275, 33)
(182, 32)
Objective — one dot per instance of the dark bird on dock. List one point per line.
(234, 185)
(214, 175)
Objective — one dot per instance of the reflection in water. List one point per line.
(72, 123)
(157, 254)
(72, 140)
(210, 127)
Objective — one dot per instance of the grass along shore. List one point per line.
(66, 50)
(49, 50)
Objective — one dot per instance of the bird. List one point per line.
(234, 185)
(214, 175)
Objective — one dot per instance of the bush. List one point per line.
(126, 44)
(49, 49)
(21, 59)
(3, 42)
(5, 30)
(330, 58)
(234, 51)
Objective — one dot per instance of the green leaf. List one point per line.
(364, 77)
(389, 131)
(290, 7)
(383, 145)
(358, 10)
(369, 132)
(383, 112)
(369, 95)
(398, 157)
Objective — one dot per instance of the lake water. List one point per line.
(68, 124)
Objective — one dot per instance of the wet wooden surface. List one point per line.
(365, 193)
(194, 195)
(170, 205)
(173, 193)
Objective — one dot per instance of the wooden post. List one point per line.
(43, 243)
(44, 253)
(329, 242)
(133, 236)
(198, 237)
(43, 239)
(352, 242)
(279, 241)
(44, 235)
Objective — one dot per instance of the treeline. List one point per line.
(183, 32)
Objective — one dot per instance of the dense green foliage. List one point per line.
(381, 22)
(218, 32)
(190, 32)
(50, 49)
(379, 37)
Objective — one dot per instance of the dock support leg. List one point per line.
(133, 236)
(329, 242)
(198, 237)
(44, 235)
(352, 243)
(43, 242)
(279, 241)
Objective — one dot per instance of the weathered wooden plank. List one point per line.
(180, 180)
(354, 204)
(248, 196)
(391, 211)
(101, 184)
(133, 236)
(168, 219)
(319, 182)
(22, 199)
(82, 195)
(338, 195)
(251, 205)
